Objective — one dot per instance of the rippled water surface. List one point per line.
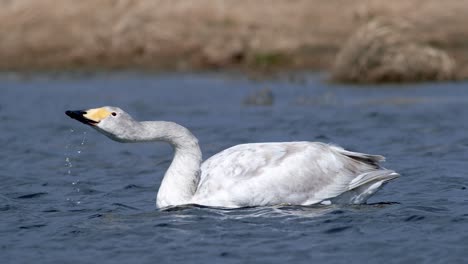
(71, 195)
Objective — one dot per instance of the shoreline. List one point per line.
(209, 35)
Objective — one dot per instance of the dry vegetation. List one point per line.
(390, 51)
(204, 34)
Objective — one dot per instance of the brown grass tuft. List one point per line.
(386, 50)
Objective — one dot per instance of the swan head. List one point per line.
(110, 121)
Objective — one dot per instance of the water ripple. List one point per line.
(31, 196)
(68, 194)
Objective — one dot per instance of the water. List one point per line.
(71, 195)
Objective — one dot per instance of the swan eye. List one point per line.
(114, 114)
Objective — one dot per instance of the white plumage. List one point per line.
(258, 174)
(300, 173)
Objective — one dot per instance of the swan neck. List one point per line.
(181, 179)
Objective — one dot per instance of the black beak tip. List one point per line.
(79, 115)
(75, 114)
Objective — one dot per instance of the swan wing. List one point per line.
(276, 173)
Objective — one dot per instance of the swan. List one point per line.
(256, 174)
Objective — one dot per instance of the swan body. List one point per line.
(257, 174)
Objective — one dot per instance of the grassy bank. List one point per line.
(209, 34)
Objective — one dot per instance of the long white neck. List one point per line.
(181, 179)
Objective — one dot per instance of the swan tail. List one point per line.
(364, 186)
(382, 175)
(372, 160)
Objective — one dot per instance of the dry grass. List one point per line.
(200, 34)
(388, 51)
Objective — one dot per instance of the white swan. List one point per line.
(260, 174)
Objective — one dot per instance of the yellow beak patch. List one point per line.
(97, 114)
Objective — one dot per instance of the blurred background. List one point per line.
(358, 41)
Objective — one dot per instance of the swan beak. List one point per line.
(80, 115)
(89, 117)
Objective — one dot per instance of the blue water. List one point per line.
(71, 195)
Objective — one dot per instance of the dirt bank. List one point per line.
(209, 34)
